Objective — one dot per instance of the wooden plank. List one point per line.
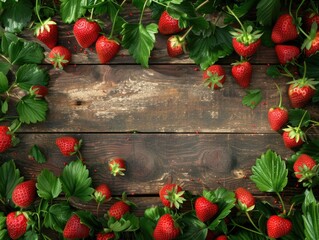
(163, 98)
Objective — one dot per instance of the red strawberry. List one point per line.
(24, 194)
(286, 53)
(175, 46)
(309, 19)
(117, 166)
(68, 145)
(242, 71)
(105, 236)
(60, 57)
(171, 195)
(5, 138)
(166, 229)
(168, 25)
(303, 166)
(214, 76)
(118, 209)
(246, 50)
(106, 48)
(102, 193)
(301, 91)
(16, 224)
(86, 32)
(284, 29)
(293, 137)
(221, 237)
(313, 46)
(39, 90)
(75, 229)
(245, 200)
(47, 32)
(205, 209)
(278, 226)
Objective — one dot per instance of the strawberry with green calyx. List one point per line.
(245, 201)
(277, 116)
(245, 41)
(168, 25)
(171, 195)
(17, 224)
(60, 57)
(39, 91)
(86, 31)
(105, 236)
(175, 46)
(205, 210)
(242, 72)
(286, 53)
(7, 136)
(75, 229)
(24, 194)
(166, 228)
(69, 146)
(117, 166)
(305, 168)
(278, 226)
(106, 48)
(311, 42)
(120, 207)
(214, 76)
(102, 193)
(311, 16)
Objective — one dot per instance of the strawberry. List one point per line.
(286, 53)
(102, 193)
(244, 199)
(167, 24)
(293, 137)
(118, 209)
(245, 50)
(301, 91)
(47, 32)
(68, 145)
(86, 32)
(17, 224)
(214, 76)
(242, 71)
(106, 48)
(74, 229)
(284, 29)
(39, 90)
(221, 237)
(303, 167)
(117, 166)
(60, 57)
(5, 138)
(175, 46)
(171, 195)
(205, 209)
(166, 228)
(313, 46)
(278, 226)
(105, 236)
(24, 194)
(309, 19)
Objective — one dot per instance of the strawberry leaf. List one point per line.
(312, 63)
(246, 235)
(9, 178)
(76, 181)
(4, 84)
(57, 216)
(2, 221)
(240, 10)
(71, 10)
(193, 227)
(273, 71)
(267, 11)
(154, 213)
(310, 209)
(4, 67)
(37, 154)
(22, 51)
(140, 3)
(252, 98)
(7, 38)
(48, 185)
(296, 115)
(32, 110)
(270, 173)
(29, 75)
(88, 219)
(4, 234)
(139, 41)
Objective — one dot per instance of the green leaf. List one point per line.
(270, 173)
(32, 110)
(76, 181)
(9, 178)
(37, 154)
(273, 71)
(311, 148)
(240, 10)
(140, 3)
(31, 74)
(71, 10)
(22, 52)
(193, 228)
(246, 235)
(16, 15)
(6, 40)
(139, 41)
(88, 219)
(4, 106)
(57, 216)
(4, 235)
(2, 220)
(48, 185)
(252, 98)
(4, 84)
(4, 67)
(295, 116)
(310, 216)
(312, 66)
(267, 11)
(154, 213)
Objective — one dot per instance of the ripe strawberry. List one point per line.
(313, 44)
(24, 194)
(118, 209)
(102, 193)
(301, 91)
(171, 195)
(74, 229)
(214, 76)
(16, 224)
(205, 209)
(242, 71)
(117, 166)
(105, 236)
(59, 57)
(245, 50)
(245, 200)
(175, 46)
(39, 90)
(106, 48)
(5, 138)
(309, 19)
(221, 237)
(166, 228)
(68, 145)
(86, 32)
(168, 25)
(47, 32)
(303, 166)
(284, 30)
(286, 53)
(278, 226)
(293, 137)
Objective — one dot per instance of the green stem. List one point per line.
(303, 116)
(142, 13)
(234, 15)
(37, 12)
(247, 229)
(91, 16)
(282, 203)
(299, 8)
(186, 33)
(280, 96)
(114, 20)
(251, 221)
(290, 209)
(201, 5)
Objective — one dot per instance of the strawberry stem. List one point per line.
(234, 15)
(251, 221)
(142, 13)
(185, 34)
(201, 5)
(91, 16)
(280, 95)
(114, 21)
(282, 203)
(37, 10)
(245, 228)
